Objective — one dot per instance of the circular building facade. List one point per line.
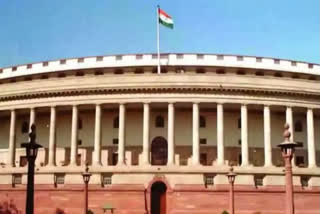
(161, 143)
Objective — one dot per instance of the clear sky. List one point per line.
(39, 30)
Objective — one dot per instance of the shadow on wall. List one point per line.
(8, 207)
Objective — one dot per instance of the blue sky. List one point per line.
(38, 30)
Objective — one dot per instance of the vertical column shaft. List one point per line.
(289, 120)
(32, 117)
(12, 139)
(171, 134)
(74, 136)
(52, 137)
(195, 134)
(244, 136)
(311, 146)
(220, 135)
(97, 136)
(146, 134)
(121, 146)
(267, 137)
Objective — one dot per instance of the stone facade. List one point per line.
(210, 112)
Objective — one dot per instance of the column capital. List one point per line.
(172, 102)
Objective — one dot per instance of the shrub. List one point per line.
(225, 212)
(59, 211)
(90, 212)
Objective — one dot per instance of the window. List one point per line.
(220, 71)
(45, 64)
(239, 123)
(61, 75)
(14, 68)
(159, 121)
(80, 60)
(154, 56)
(23, 161)
(300, 161)
(203, 159)
(80, 124)
(79, 74)
(278, 74)
(16, 179)
(59, 178)
(200, 56)
(259, 59)
(239, 142)
(98, 72)
(200, 71)
(99, 58)
(79, 142)
(116, 122)
(106, 179)
(202, 122)
(63, 62)
(239, 58)
(114, 159)
(139, 56)
(179, 56)
(304, 181)
(1, 71)
(241, 72)
(25, 127)
(29, 66)
(240, 159)
(298, 126)
(164, 56)
(115, 141)
(310, 65)
(203, 141)
(294, 63)
(259, 73)
(220, 57)
(258, 180)
(208, 180)
(119, 57)
(276, 61)
(299, 144)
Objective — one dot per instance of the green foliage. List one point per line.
(225, 212)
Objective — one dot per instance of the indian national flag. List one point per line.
(165, 19)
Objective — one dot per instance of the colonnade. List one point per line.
(171, 133)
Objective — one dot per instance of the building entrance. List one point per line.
(159, 151)
(158, 198)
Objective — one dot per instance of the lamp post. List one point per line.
(287, 150)
(86, 178)
(31, 153)
(231, 177)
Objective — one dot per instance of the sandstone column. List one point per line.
(146, 134)
(97, 136)
(74, 136)
(121, 149)
(220, 135)
(12, 139)
(289, 120)
(195, 134)
(244, 136)
(52, 137)
(267, 137)
(171, 160)
(311, 146)
(32, 117)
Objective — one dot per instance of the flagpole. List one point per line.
(158, 39)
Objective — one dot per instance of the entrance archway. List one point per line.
(159, 151)
(158, 198)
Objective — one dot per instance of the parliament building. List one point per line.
(161, 143)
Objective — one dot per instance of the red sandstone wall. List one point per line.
(132, 199)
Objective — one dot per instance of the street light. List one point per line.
(287, 149)
(86, 178)
(31, 153)
(231, 177)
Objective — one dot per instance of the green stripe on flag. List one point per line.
(166, 24)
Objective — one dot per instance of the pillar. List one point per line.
(311, 146)
(52, 137)
(12, 139)
(97, 136)
(195, 134)
(267, 137)
(146, 134)
(171, 160)
(244, 136)
(74, 136)
(121, 146)
(220, 135)
(32, 117)
(289, 120)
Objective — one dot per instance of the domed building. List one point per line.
(161, 143)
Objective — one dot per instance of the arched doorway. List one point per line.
(158, 198)
(159, 151)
